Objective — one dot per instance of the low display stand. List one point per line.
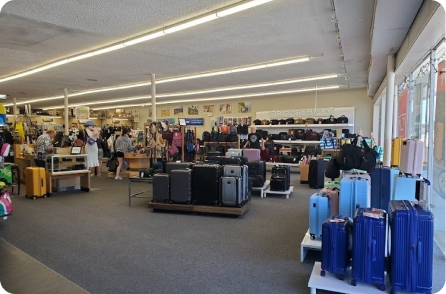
(309, 244)
(286, 193)
(332, 283)
(238, 211)
(261, 189)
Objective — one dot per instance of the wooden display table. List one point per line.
(137, 161)
(84, 175)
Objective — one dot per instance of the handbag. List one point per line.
(91, 141)
(299, 121)
(310, 121)
(173, 149)
(112, 164)
(357, 155)
(167, 136)
(265, 122)
(274, 122)
(330, 120)
(257, 122)
(342, 120)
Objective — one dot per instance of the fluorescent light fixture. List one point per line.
(242, 7)
(2, 96)
(144, 38)
(175, 28)
(289, 61)
(230, 97)
(190, 24)
(249, 68)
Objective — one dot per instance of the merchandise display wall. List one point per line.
(339, 98)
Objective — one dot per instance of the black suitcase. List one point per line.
(161, 188)
(177, 165)
(234, 160)
(316, 173)
(180, 186)
(278, 183)
(257, 181)
(205, 184)
(257, 167)
(291, 159)
(285, 170)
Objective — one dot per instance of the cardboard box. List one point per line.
(304, 170)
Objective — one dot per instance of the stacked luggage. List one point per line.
(234, 185)
(257, 173)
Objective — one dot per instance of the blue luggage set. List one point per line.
(410, 261)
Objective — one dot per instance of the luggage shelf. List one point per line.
(262, 189)
(309, 244)
(286, 193)
(201, 208)
(331, 283)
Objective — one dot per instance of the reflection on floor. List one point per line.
(439, 237)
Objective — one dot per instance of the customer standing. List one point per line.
(91, 148)
(101, 144)
(44, 146)
(122, 144)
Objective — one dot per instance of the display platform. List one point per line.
(84, 175)
(238, 211)
(308, 244)
(286, 193)
(331, 283)
(262, 189)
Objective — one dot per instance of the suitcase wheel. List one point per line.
(34, 197)
(170, 201)
(382, 287)
(323, 273)
(353, 283)
(312, 236)
(342, 277)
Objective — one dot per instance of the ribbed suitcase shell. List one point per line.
(251, 154)
(383, 182)
(238, 171)
(355, 192)
(333, 197)
(412, 156)
(177, 165)
(206, 184)
(180, 186)
(369, 249)
(396, 151)
(257, 167)
(412, 241)
(335, 245)
(405, 188)
(234, 152)
(161, 188)
(319, 212)
(316, 174)
(231, 191)
(35, 182)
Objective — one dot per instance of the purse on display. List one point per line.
(257, 122)
(265, 122)
(299, 121)
(310, 121)
(342, 120)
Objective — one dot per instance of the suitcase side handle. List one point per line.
(41, 182)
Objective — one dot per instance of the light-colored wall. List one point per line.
(339, 98)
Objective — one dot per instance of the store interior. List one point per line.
(276, 90)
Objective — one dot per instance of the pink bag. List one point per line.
(251, 154)
(5, 149)
(6, 207)
(412, 156)
(177, 139)
(333, 197)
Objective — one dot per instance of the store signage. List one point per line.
(194, 121)
(82, 112)
(310, 112)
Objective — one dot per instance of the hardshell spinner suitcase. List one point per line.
(35, 182)
(206, 184)
(396, 151)
(251, 154)
(355, 192)
(257, 168)
(405, 188)
(335, 245)
(231, 191)
(333, 197)
(319, 212)
(257, 181)
(369, 247)
(283, 169)
(177, 165)
(316, 174)
(234, 152)
(238, 171)
(278, 182)
(383, 182)
(180, 186)
(412, 156)
(161, 188)
(412, 239)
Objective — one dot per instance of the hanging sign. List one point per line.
(82, 112)
(194, 121)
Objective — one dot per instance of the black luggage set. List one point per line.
(202, 184)
(280, 178)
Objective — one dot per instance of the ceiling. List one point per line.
(35, 32)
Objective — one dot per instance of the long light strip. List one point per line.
(150, 36)
(225, 98)
(207, 91)
(174, 79)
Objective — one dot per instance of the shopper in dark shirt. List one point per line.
(255, 140)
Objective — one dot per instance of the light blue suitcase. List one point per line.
(355, 192)
(405, 188)
(319, 211)
(234, 152)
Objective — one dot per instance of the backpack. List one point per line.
(190, 146)
(6, 207)
(206, 137)
(177, 139)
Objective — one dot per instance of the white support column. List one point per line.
(430, 142)
(65, 91)
(395, 114)
(410, 106)
(153, 92)
(14, 108)
(390, 97)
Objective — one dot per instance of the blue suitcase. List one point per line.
(335, 245)
(355, 192)
(319, 211)
(382, 181)
(369, 247)
(405, 188)
(412, 241)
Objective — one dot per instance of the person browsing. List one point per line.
(122, 144)
(44, 146)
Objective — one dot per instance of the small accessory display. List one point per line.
(76, 150)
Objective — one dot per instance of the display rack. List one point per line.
(309, 244)
(287, 193)
(237, 211)
(307, 126)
